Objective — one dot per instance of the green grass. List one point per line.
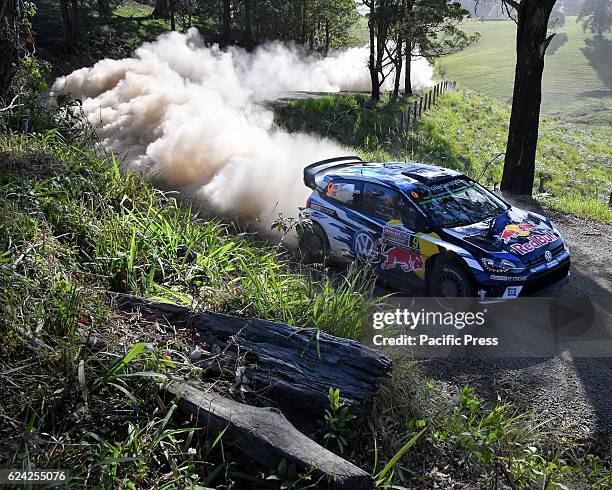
(577, 205)
(577, 80)
(135, 239)
(468, 132)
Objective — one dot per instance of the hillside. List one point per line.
(82, 377)
(577, 81)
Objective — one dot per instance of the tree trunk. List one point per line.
(408, 78)
(304, 28)
(372, 61)
(10, 44)
(172, 15)
(531, 44)
(76, 21)
(66, 21)
(398, 64)
(327, 37)
(104, 9)
(161, 9)
(227, 19)
(248, 24)
(265, 435)
(294, 367)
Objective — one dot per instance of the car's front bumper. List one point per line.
(541, 283)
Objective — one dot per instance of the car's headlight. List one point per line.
(501, 265)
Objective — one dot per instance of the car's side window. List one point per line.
(383, 203)
(346, 192)
(412, 220)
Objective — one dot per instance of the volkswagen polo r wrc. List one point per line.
(428, 227)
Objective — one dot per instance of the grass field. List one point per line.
(577, 76)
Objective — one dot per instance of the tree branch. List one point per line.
(513, 3)
(544, 46)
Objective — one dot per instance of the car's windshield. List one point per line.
(459, 202)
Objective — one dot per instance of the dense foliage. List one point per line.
(596, 16)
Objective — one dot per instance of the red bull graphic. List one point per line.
(407, 260)
(534, 243)
(513, 231)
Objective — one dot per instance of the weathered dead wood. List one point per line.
(265, 435)
(297, 365)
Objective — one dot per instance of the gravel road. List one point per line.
(573, 391)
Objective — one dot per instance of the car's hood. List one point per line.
(518, 232)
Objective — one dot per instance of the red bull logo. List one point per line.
(513, 231)
(407, 260)
(534, 243)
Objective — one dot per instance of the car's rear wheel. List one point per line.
(313, 244)
(449, 280)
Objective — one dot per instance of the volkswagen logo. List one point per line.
(548, 256)
(364, 246)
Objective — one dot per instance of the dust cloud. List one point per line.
(191, 116)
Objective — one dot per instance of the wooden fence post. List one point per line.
(415, 111)
(420, 106)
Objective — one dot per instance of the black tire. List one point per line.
(450, 280)
(314, 245)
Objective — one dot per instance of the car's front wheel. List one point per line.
(449, 280)
(313, 244)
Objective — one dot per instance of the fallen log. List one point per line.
(297, 366)
(265, 435)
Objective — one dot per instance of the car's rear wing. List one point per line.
(312, 170)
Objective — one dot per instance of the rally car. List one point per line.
(422, 226)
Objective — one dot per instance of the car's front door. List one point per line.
(394, 223)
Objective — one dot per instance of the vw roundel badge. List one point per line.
(548, 256)
(364, 246)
